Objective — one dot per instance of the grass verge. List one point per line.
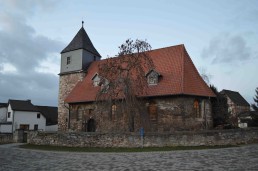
(118, 149)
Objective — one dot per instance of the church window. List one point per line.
(96, 80)
(79, 113)
(152, 110)
(197, 108)
(113, 111)
(152, 80)
(9, 115)
(104, 86)
(68, 60)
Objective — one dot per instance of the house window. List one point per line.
(38, 115)
(68, 60)
(94, 58)
(9, 115)
(24, 126)
(36, 127)
(152, 110)
(197, 108)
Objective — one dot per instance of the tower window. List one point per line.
(68, 60)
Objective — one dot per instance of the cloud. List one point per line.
(228, 48)
(26, 58)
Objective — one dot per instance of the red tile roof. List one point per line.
(179, 77)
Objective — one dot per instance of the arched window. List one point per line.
(73, 114)
(152, 110)
(79, 113)
(197, 108)
(113, 112)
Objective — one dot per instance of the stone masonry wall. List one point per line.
(66, 84)
(173, 114)
(186, 138)
(6, 138)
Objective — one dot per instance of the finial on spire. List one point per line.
(82, 23)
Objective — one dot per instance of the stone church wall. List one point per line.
(162, 114)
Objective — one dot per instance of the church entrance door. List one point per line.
(91, 126)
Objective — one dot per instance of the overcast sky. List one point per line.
(220, 36)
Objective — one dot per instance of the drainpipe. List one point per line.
(69, 115)
(205, 114)
(13, 120)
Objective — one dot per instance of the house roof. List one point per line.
(179, 77)
(50, 113)
(81, 41)
(235, 97)
(23, 105)
(248, 113)
(3, 105)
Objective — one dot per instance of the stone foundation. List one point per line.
(186, 138)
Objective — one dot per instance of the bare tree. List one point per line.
(205, 75)
(219, 108)
(123, 80)
(255, 105)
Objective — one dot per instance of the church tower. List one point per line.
(75, 59)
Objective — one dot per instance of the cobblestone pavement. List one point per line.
(236, 158)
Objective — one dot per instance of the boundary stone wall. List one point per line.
(6, 138)
(189, 138)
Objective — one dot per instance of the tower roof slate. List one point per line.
(81, 41)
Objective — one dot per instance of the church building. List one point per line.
(177, 97)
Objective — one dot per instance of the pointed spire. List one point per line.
(81, 41)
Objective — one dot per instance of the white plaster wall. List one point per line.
(51, 128)
(3, 112)
(5, 128)
(29, 118)
(9, 109)
(76, 61)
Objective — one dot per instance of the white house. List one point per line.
(24, 115)
(5, 127)
(51, 117)
(3, 110)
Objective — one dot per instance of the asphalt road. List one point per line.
(235, 158)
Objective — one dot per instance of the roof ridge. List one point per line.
(165, 47)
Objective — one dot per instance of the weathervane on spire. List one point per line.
(82, 23)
